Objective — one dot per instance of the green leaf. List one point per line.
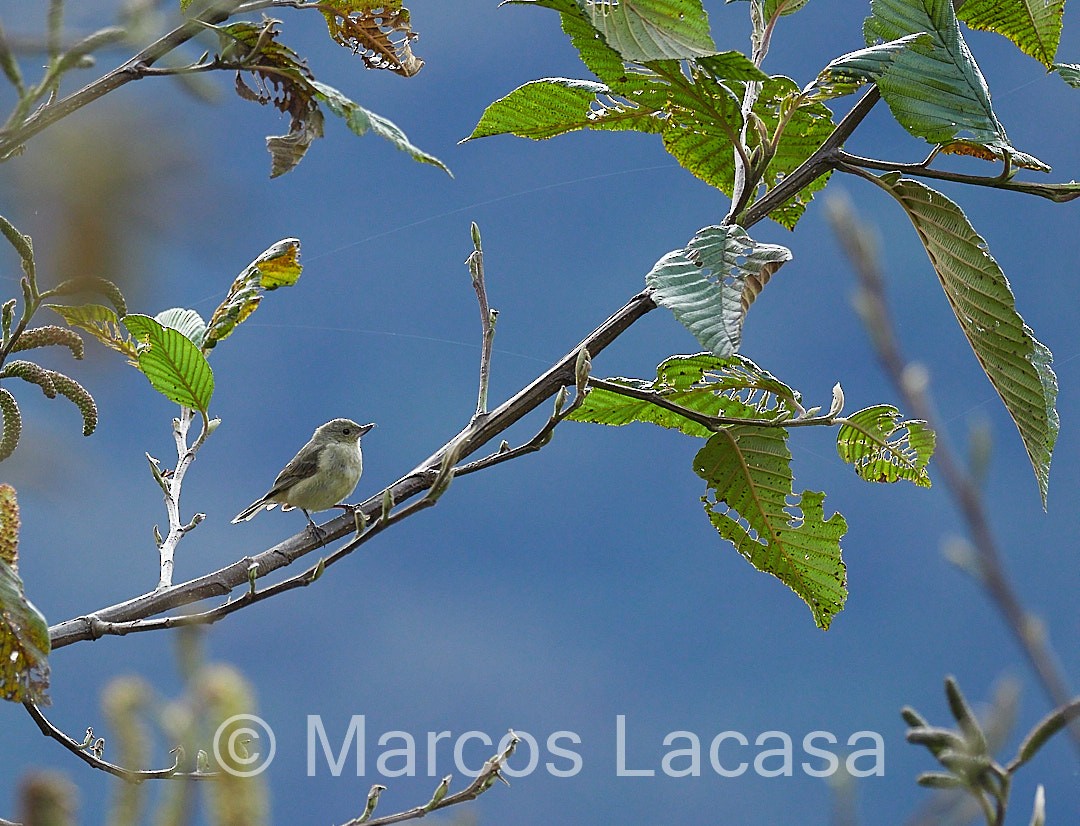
(1016, 363)
(782, 7)
(868, 440)
(1033, 25)
(710, 285)
(175, 367)
(101, 322)
(545, 108)
(936, 91)
(701, 126)
(188, 322)
(1070, 73)
(361, 120)
(748, 473)
(278, 266)
(602, 60)
(848, 72)
(24, 643)
(733, 386)
(97, 286)
(1046, 728)
(643, 30)
(732, 65)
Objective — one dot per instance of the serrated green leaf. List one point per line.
(188, 322)
(101, 322)
(545, 108)
(24, 643)
(643, 30)
(848, 72)
(361, 120)
(602, 60)
(701, 126)
(732, 386)
(710, 285)
(748, 473)
(1017, 364)
(731, 65)
(175, 367)
(1069, 72)
(782, 7)
(936, 91)
(278, 266)
(883, 448)
(1033, 25)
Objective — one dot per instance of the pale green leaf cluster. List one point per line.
(934, 87)
(660, 73)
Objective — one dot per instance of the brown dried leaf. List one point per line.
(380, 33)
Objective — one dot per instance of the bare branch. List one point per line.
(483, 781)
(84, 752)
(487, 318)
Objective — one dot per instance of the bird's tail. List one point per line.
(252, 509)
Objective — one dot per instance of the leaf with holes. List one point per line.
(643, 30)
(1017, 363)
(282, 79)
(278, 266)
(936, 90)
(175, 367)
(380, 32)
(1033, 25)
(710, 285)
(748, 473)
(883, 448)
(732, 386)
(101, 322)
(848, 72)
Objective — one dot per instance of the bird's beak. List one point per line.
(364, 428)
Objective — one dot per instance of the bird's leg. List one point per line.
(316, 531)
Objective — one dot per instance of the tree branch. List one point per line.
(81, 750)
(474, 436)
(15, 136)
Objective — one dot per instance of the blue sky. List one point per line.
(580, 584)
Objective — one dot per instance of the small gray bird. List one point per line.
(320, 476)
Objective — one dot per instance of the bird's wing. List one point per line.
(303, 465)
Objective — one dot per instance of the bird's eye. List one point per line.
(346, 431)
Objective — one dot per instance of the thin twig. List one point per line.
(131, 775)
(488, 316)
(874, 310)
(489, 773)
(1059, 193)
